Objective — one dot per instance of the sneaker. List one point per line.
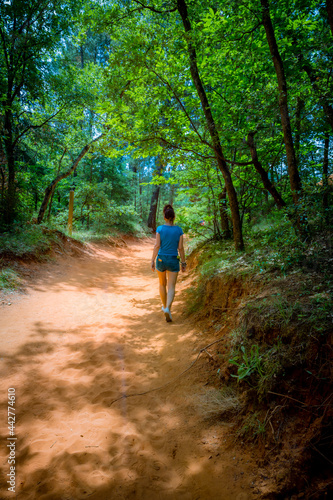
(167, 314)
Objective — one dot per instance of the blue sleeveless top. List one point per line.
(170, 236)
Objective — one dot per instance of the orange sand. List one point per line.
(89, 330)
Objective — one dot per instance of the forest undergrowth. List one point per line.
(271, 374)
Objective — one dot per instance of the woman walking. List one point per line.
(169, 241)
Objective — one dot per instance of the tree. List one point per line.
(154, 198)
(237, 228)
(295, 180)
(169, 107)
(329, 7)
(28, 32)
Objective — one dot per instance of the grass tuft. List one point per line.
(217, 402)
(9, 280)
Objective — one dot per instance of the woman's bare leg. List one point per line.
(172, 279)
(163, 284)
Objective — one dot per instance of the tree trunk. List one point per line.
(171, 194)
(140, 196)
(262, 172)
(299, 107)
(82, 56)
(10, 205)
(134, 168)
(153, 209)
(213, 209)
(50, 205)
(10, 202)
(325, 176)
(329, 7)
(294, 178)
(232, 196)
(226, 233)
(88, 217)
(154, 201)
(2, 172)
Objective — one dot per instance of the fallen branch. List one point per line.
(289, 397)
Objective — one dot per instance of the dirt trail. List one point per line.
(89, 330)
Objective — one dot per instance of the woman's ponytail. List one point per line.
(169, 212)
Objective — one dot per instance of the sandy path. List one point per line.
(89, 330)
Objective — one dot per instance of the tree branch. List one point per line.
(176, 146)
(239, 163)
(254, 186)
(246, 33)
(139, 9)
(181, 105)
(36, 126)
(223, 98)
(155, 10)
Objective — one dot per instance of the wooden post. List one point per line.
(70, 211)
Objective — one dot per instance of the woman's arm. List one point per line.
(155, 251)
(182, 252)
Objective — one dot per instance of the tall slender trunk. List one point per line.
(50, 205)
(153, 209)
(154, 201)
(232, 196)
(140, 195)
(329, 7)
(10, 203)
(171, 194)
(134, 167)
(213, 208)
(262, 172)
(325, 176)
(294, 178)
(299, 108)
(226, 233)
(2, 173)
(82, 56)
(2, 198)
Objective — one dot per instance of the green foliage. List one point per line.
(9, 279)
(24, 241)
(126, 72)
(288, 331)
(285, 315)
(253, 427)
(247, 362)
